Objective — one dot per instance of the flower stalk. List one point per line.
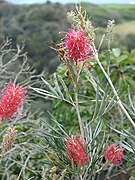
(77, 111)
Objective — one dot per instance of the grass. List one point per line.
(126, 28)
(118, 6)
(119, 12)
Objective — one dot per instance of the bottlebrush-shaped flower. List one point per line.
(76, 150)
(77, 45)
(114, 154)
(11, 100)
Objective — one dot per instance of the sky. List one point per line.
(73, 1)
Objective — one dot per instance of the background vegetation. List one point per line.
(38, 25)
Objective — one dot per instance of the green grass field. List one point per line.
(118, 6)
(126, 28)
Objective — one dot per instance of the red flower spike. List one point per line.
(76, 150)
(114, 154)
(11, 100)
(77, 45)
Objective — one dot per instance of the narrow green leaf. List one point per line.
(65, 89)
(131, 103)
(49, 86)
(96, 105)
(119, 132)
(98, 129)
(58, 124)
(57, 86)
(50, 127)
(110, 105)
(128, 148)
(45, 93)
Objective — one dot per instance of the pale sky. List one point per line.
(73, 1)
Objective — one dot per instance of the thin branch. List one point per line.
(114, 91)
(77, 111)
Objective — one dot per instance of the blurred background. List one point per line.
(38, 22)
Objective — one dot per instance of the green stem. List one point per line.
(77, 111)
(114, 91)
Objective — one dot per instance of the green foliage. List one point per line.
(103, 120)
(122, 73)
(38, 25)
(122, 69)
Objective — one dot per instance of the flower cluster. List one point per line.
(114, 154)
(9, 139)
(76, 150)
(11, 100)
(77, 45)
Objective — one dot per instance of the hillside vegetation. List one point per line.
(126, 28)
(38, 25)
